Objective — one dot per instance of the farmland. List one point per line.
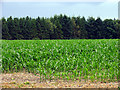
(62, 59)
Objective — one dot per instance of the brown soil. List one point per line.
(29, 80)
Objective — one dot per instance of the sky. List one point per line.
(105, 9)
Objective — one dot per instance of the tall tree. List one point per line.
(5, 30)
(75, 28)
(10, 24)
(65, 21)
(58, 34)
(16, 29)
(33, 29)
(44, 31)
(81, 22)
(117, 29)
(109, 28)
(90, 28)
(22, 27)
(38, 27)
(50, 29)
(99, 28)
(26, 32)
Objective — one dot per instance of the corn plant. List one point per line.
(63, 59)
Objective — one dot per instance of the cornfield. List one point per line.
(63, 59)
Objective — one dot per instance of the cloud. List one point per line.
(53, 0)
(112, 1)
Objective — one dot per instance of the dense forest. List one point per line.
(59, 27)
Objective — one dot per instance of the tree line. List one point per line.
(59, 27)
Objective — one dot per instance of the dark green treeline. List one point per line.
(59, 27)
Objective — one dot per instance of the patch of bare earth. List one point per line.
(29, 80)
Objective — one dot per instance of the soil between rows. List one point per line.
(29, 80)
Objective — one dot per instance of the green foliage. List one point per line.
(66, 59)
(59, 27)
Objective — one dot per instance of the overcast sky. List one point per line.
(99, 8)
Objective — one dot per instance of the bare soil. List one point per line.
(29, 80)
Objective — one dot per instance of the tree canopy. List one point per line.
(59, 27)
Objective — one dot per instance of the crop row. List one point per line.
(66, 59)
